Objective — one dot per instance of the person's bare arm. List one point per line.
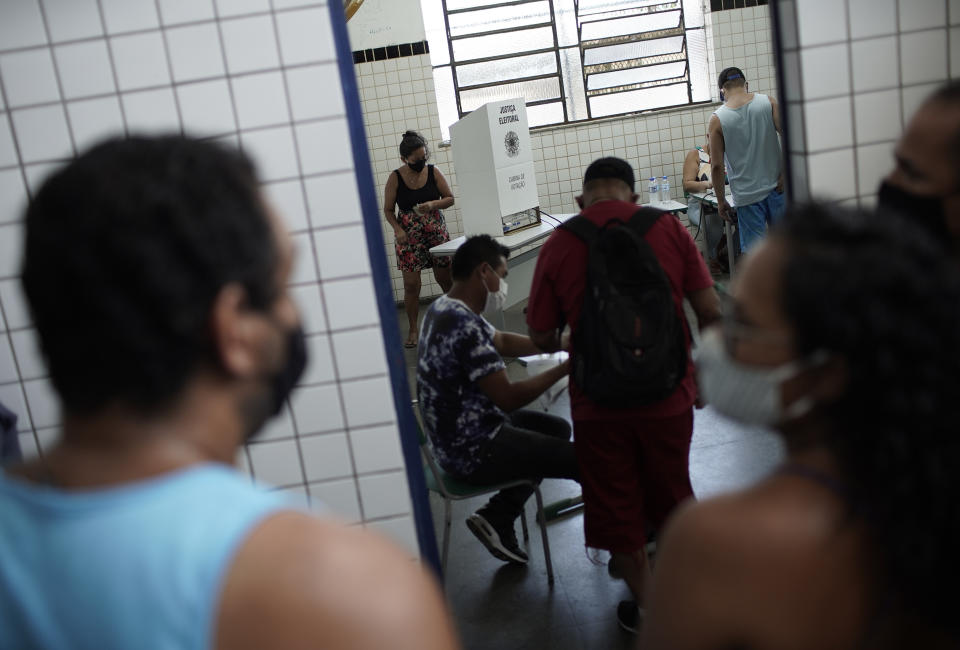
(548, 341)
(301, 582)
(716, 166)
(390, 206)
(693, 592)
(446, 196)
(775, 108)
(706, 306)
(509, 344)
(690, 166)
(510, 396)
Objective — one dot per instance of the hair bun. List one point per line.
(411, 134)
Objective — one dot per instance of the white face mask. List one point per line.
(496, 299)
(750, 395)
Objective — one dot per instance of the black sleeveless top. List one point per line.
(407, 198)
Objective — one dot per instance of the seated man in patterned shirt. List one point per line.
(472, 411)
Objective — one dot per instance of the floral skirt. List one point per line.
(423, 233)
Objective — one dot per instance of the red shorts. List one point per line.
(633, 473)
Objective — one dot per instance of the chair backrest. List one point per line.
(437, 484)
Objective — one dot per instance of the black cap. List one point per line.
(610, 168)
(730, 74)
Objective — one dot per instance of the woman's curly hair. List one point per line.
(879, 293)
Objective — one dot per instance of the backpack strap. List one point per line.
(643, 219)
(583, 228)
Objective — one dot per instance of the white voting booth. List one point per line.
(497, 185)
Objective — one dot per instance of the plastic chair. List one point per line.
(452, 489)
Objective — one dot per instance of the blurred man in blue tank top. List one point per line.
(156, 275)
(743, 136)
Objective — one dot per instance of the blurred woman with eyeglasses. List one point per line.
(844, 336)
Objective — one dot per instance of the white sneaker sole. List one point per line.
(490, 538)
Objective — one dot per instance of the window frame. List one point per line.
(566, 96)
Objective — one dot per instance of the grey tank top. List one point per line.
(751, 149)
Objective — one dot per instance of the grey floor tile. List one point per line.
(606, 635)
(733, 465)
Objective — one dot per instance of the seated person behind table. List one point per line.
(696, 179)
(843, 336)
(471, 409)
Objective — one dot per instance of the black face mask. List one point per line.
(282, 383)
(418, 166)
(922, 209)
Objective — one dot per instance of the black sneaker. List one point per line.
(629, 616)
(500, 541)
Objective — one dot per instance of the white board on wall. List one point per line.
(378, 23)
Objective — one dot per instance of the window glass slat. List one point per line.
(700, 77)
(635, 50)
(565, 20)
(544, 114)
(488, 20)
(531, 91)
(638, 100)
(633, 25)
(636, 75)
(603, 6)
(481, 47)
(531, 65)
(455, 5)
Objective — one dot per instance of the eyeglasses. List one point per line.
(735, 330)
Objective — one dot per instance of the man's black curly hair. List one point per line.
(126, 249)
(883, 296)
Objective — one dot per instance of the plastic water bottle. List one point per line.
(654, 190)
(664, 189)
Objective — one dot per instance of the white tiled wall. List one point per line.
(397, 94)
(856, 71)
(258, 75)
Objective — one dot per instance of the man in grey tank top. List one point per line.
(743, 136)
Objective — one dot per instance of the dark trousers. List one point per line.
(530, 445)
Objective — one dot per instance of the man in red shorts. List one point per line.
(633, 461)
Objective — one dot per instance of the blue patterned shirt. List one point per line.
(456, 350)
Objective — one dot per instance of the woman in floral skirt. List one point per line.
(420, 192)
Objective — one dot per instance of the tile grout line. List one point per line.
(168, 58)
(113, 68)
(56, 75)
(8, 335)
(320, 281)
(160, 25)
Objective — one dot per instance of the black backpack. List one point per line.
(629, 347)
